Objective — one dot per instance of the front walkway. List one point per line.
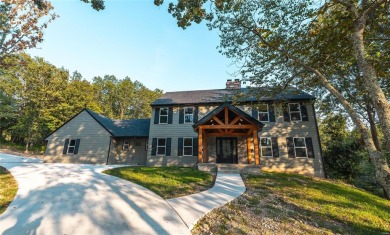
(193, 207)
(78, 199)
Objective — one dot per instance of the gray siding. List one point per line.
(282, 130)
(278, 129)
(174, 131)
(133, 155)
(94, 141)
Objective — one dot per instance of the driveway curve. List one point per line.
(78, 199)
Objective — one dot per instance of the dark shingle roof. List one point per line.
(223, 95)
(123, 128)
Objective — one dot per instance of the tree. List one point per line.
(22, 23)
(279, 43)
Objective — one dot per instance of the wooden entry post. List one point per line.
(248, 149)
(256, 146)
(200, 145)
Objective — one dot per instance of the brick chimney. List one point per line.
(230, 85)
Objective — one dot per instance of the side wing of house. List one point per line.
(128, 150)
(288, 141)
(81, 140)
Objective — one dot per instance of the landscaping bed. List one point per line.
(8, 188)
(168, 182)
(279, 203)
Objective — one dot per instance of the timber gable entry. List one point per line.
(228, 121)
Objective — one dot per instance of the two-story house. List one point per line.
(204, 127)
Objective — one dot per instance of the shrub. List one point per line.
(342, 159)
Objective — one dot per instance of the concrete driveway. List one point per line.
(77, 199)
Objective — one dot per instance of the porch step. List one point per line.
(229, 171)
(228, 168)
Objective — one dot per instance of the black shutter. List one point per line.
(255, 113)
(181, 116)
(309, 147)
(196, 114)
(304, 115)
(168, 147)
(154, 146)
(290, 147)
(170, 115)
(271, 110)
(156, 115)
(76, 148)
(195, 146)
(275, 147)
(65, 151)
(286, 113)
(180, 147)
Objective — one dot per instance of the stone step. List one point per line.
(229, 171)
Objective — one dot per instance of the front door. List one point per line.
(227, 150)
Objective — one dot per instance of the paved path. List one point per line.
(78, 199)
(193, 207)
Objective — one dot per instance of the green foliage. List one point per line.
(8, 188)
(36, 98)
(168, 182)
(342, 159)
(333, 128)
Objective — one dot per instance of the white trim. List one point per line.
(70, 146)
(261, 147)
(289, 112)
(192, 146)
(304, 141)
(126, 144)
(258, 114)
(192, 114)
(160, 146)
(165, 115)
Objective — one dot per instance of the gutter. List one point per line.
(319, 141)
(109, 150)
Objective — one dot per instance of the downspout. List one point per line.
(319, 140)
(109, 150)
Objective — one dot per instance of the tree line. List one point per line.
(338, 49)
(36, 97)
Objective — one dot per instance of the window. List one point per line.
(187, 147)
(295, 112)
(147, 145)
(137, 143)
(263, 113)
(71, 146)
(266, 146)
(161, 146)
(300, 147)
(126, 144)
(163, 115)
(188, 115)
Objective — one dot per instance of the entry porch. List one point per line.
(228, 135)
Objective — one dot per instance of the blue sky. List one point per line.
(137, 39)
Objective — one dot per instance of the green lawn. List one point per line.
(8, 188)
(279, 203)
(168, 182)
